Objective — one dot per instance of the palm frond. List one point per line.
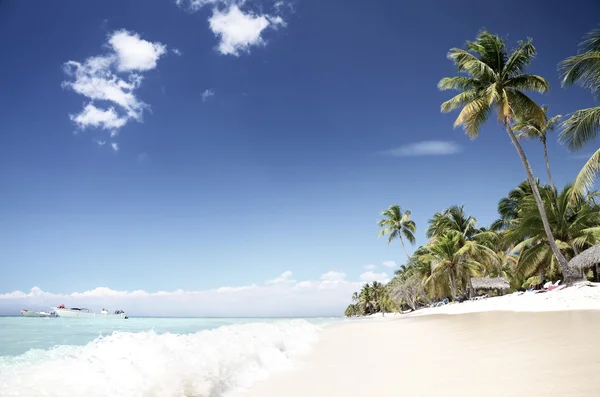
(583, 126)
(525, 107)
(531, 259)
(469, 63)
(520, 58)
(474, 114)
(461, 83)
(586, 177)
(528, 82)
(584, 69)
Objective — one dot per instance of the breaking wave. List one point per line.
(209, 363)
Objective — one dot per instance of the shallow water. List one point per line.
(146, 356)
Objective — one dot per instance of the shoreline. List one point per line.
(513, 345)
(484, 353)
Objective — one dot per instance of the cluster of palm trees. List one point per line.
(540, 228)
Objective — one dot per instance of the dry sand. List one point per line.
(478, 354)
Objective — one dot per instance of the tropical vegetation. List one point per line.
(540, 227)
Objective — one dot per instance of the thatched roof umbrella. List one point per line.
(587, 258)
(498, 283)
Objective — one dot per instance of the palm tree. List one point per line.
(495, 80)
(583, 125)
(508, 207)
(533, 129)
(456, 261)
(575, 225)
(452, 220)
(397, 224)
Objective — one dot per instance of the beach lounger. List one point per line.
(556, 287)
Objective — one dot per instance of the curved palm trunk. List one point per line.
(405, 251)
(570, 275)
(548, 165)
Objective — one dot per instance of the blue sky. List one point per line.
(249, 139)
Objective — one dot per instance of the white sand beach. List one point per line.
(517, 345)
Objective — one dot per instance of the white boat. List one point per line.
(62, 311)
(27, 313)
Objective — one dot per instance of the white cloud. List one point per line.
(283, 278)
(333, 276)
(277, 21)
(109, 81)
(370, 267)
(372, 276)
(101, 143)
(115, 146)
(390, 263)
(91, 116)
(176, 52)
(208, 93)
(133, 53)
(238, 31)
(425, 148)
(195, 5)
(329, 295)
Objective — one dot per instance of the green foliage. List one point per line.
(397, 225)
(575, 226)
(495, 80)
(583, 126)
(372, 298)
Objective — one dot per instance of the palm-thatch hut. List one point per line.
(588, 258)
(498, 284)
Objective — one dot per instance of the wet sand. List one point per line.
(482, 354)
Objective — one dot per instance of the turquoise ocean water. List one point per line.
(146, 356)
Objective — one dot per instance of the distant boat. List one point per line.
(73, 312)
(27, 313)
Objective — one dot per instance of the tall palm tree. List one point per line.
(533, 129)
(495, 80)
(583, 126)
(397, 224)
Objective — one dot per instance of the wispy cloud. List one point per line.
(282, 296)
(236, 28)
(333, 276)
(284, 277)
(372, 276)
(425, 148)
(207, 94)
(176, 52)
(389, 264)
(110, 81)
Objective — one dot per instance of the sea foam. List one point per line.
(208, 363)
